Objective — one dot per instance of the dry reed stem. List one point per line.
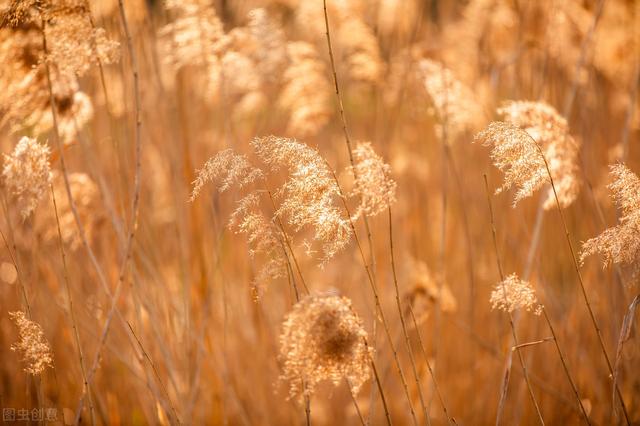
(135, 202)
(370, 272)
(534, 343)
(288, 243)
(14, 261)
(402, 322)
(155, 372)
(450, 419)
(374, 289)
(576, 266)
(74, 326)
(379, 385)
(574, 388)
(625, 334)
(513, 329)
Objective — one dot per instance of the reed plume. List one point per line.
(373, 184)
(455, 104)
(33, 345)
(516, 155)
(225, 168)
(306, 90)
(264, 238)
(323, 339)
(514, 293)
(27, 173)
(551, 131)
(621, 243)
(308, 196)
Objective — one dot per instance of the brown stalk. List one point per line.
(135, 203)
(374, 289)
(155, 372)
(583, 411)
(450, 419)
(379, 385)
(288, 243)
(513, 328)
(402, 322)
(576, 266)
(370, 273)
(72, 314)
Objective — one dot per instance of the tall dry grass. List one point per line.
(319, 212)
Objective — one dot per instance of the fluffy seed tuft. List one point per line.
(323, 339)
(33, 345)
(621, 244)
(27, 173)
(514, 293)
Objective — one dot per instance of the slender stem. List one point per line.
(347, 139)
(576, 266)
(402, 322)
(565, 367)
(155, 372)
(288, 243)
(355, 402)
(374, 289)
(14, 260)
(534, 343)
(72, 314)
(511, 324)
(134, 203)
(426, 360)
(379, 384)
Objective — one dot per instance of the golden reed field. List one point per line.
(320, 212)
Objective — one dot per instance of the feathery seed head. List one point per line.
(74, 44)
(27, 173)
(514, 293)
(264, 238)
(621, 244)
(425, 291)
(306, 90)
(516, 155)
(227, 167)
(33, 345)
(323, 339)
(551, 131)
(308, 195)
(455, 104)
(373, 184)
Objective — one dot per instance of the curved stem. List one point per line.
(511, 324)
(576, 266)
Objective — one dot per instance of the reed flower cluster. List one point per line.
(551, 131)
(27, 173)
(532, 135)
(456, 107)
(308, 197)
(32, 345)
(323, 339)
(514, 293)
(373, 184)
(264, 238)
(621, 243)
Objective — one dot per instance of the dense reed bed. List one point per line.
(320, 212)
